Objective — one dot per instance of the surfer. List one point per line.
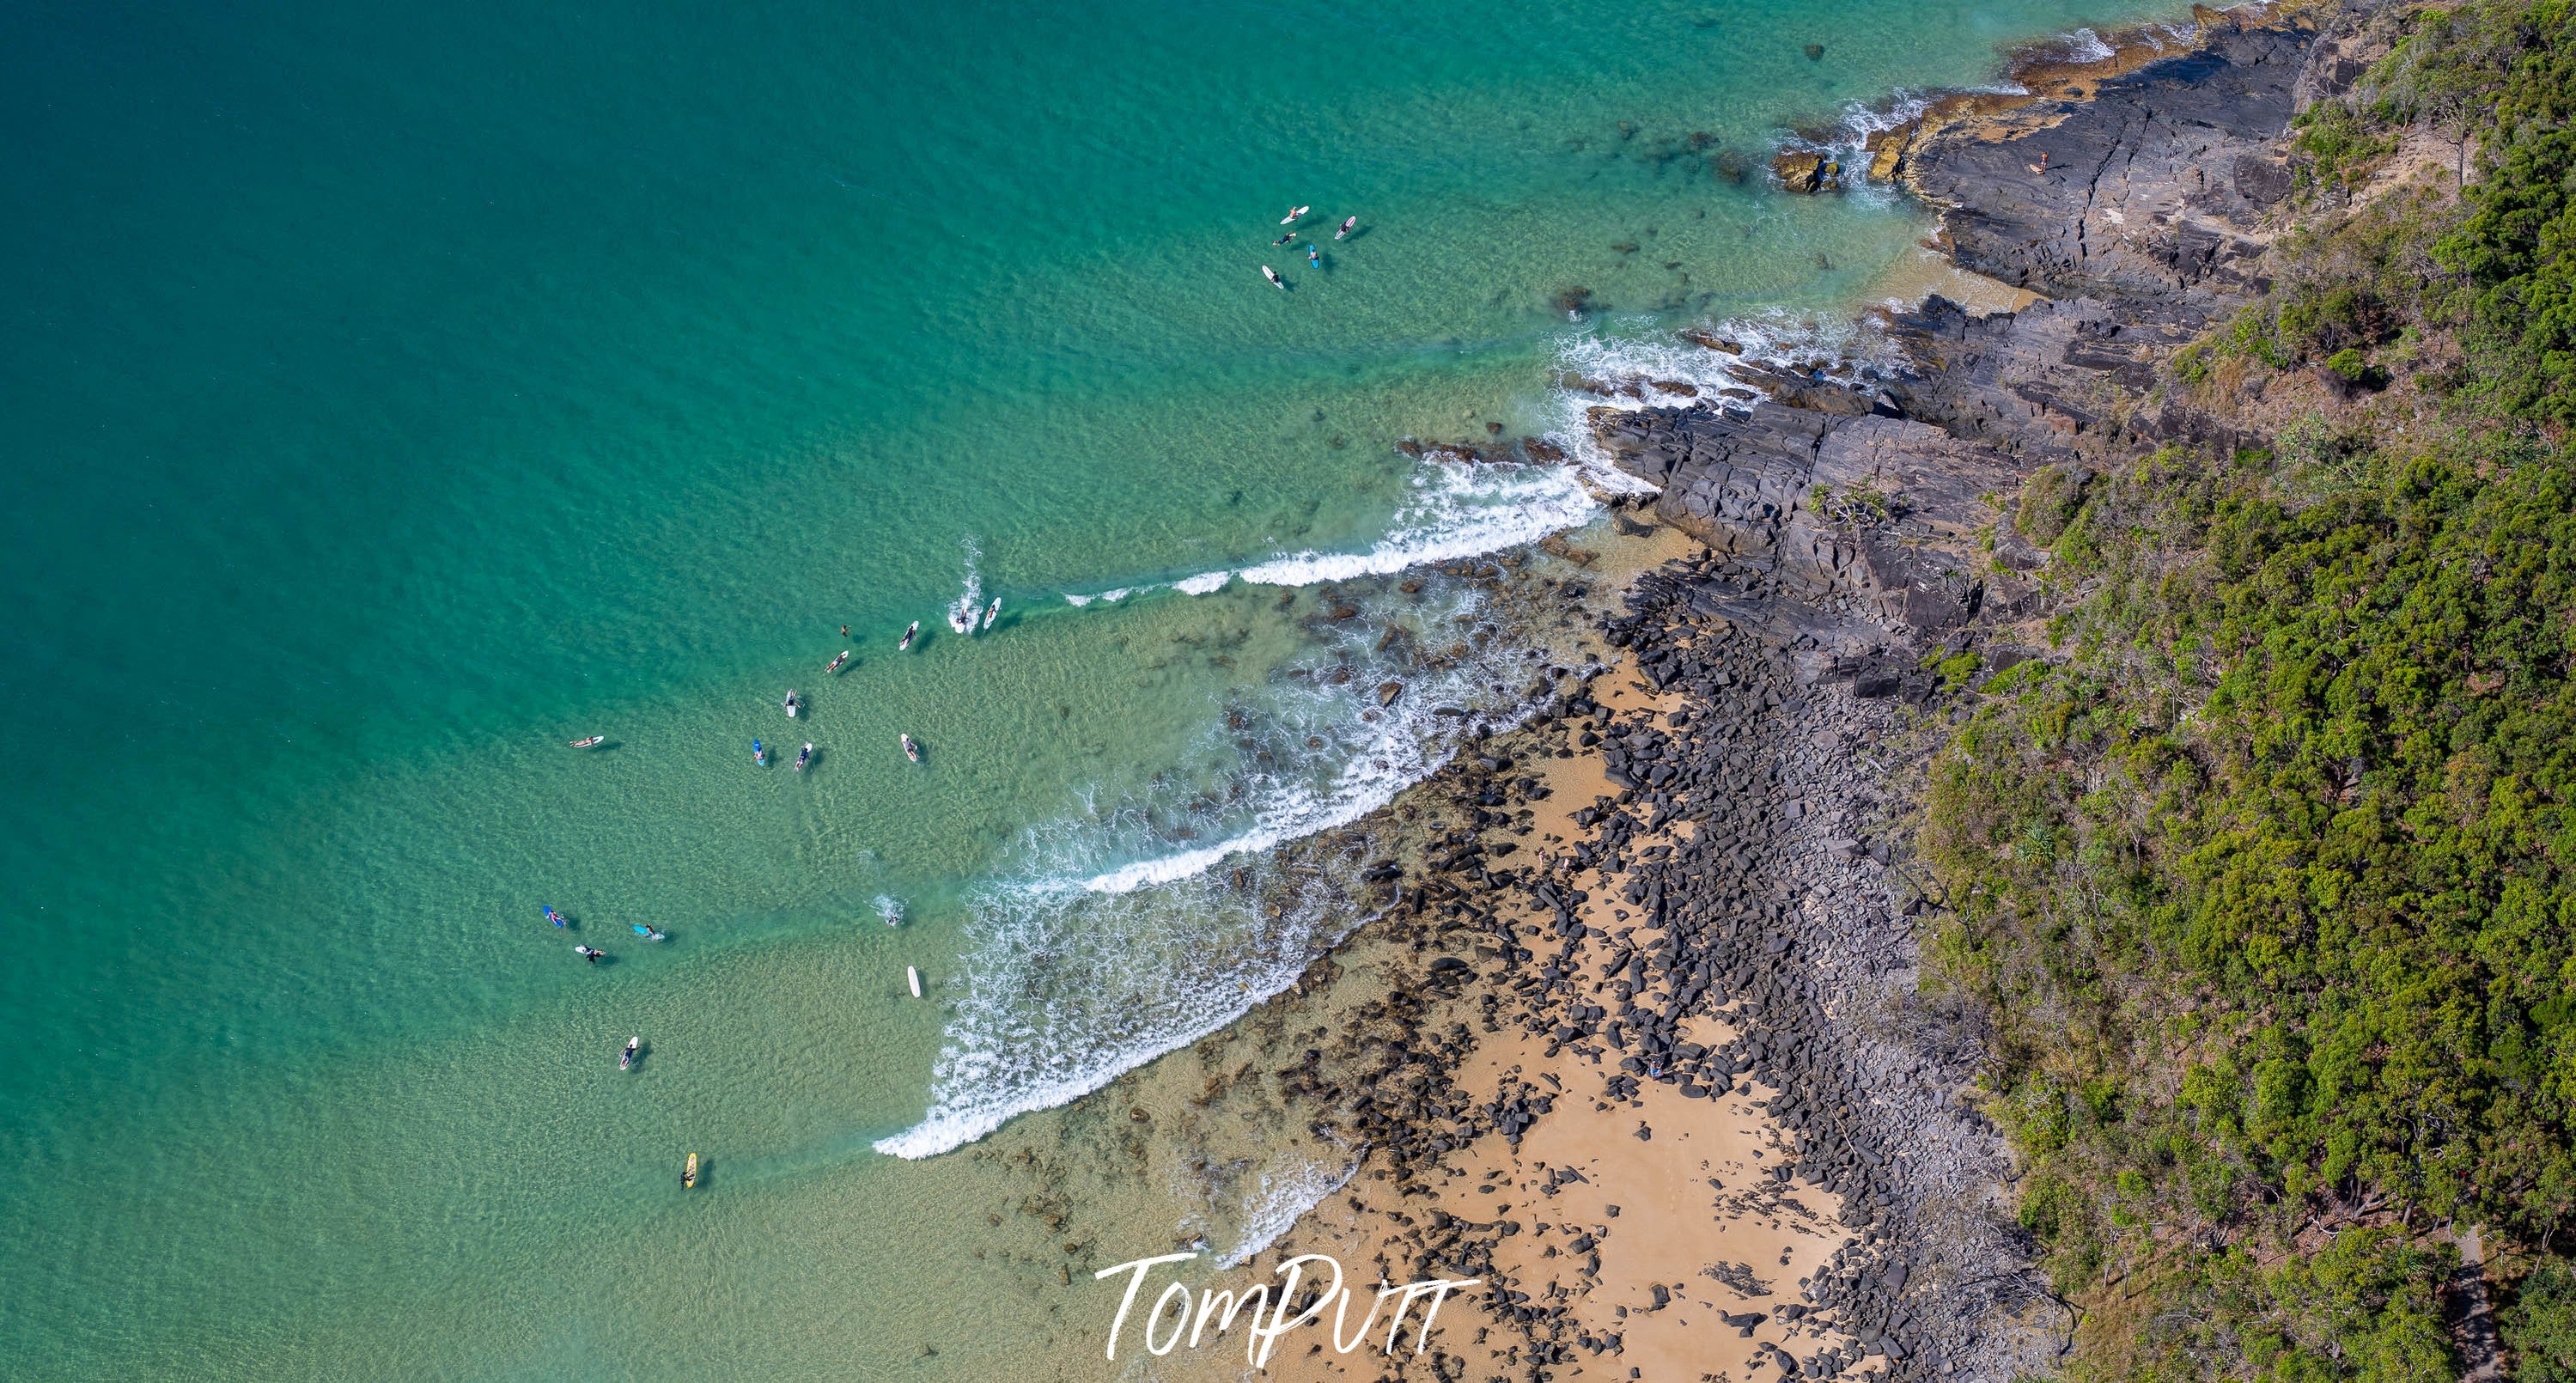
(555, 917)
(1293, 213)
(1273, 275)
(992, 612)
(908, 636)
(626, 1058)
(1347, 226)
(1275, 244)
(589, 953)
(1314, 258)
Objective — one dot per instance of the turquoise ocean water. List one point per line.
(394, 395)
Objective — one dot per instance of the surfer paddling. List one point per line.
(1347, 225)
(1273, 275)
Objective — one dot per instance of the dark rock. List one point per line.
(2122, 200)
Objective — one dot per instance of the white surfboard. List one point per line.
(914, 977)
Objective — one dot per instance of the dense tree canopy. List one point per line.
(2267, 875)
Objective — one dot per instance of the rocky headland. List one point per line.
(1660, 946)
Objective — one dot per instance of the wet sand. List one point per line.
(1925, 272)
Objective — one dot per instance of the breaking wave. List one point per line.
(1279, 1202)
(2084, 45)
(1455, 511)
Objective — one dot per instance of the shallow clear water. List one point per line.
(396, 396)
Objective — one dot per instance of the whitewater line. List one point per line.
(1463, 515)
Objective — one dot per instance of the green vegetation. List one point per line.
(2511, 68)
(2267, 878)
(2270, 883)
(2541, 1326)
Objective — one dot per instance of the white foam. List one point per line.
(890, 908)
(1363, 788)
(1619, 360)
(1456, 511)
(1133, 981)
(1638, 361)
(1280, 1202)
(2084, 45)
(970, 601)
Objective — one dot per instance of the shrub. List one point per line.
(2540, 1326)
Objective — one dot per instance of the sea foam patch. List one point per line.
(1456, 510)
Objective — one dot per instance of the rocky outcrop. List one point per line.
(1730, 477)
(2052, 378)
(2138, 212)
(1806, 170)
(1883, 510)
(1887, 150)
(2152, 191)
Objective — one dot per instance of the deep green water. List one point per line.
(392, 395)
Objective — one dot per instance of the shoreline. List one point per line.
(1742, 890)
(1711, 896)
